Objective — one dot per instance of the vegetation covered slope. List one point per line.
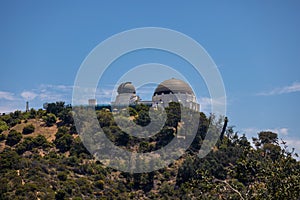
(42, 157)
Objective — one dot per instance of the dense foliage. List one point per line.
(28, 129)
(34, 165)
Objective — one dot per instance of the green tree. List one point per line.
(268, 137)
(268, 142)
(55, 108)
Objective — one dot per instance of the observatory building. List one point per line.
(172, 90)
(126, 95)
(175, 90)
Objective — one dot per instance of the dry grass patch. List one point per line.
(40, 129)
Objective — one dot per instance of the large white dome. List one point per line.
(173, 86)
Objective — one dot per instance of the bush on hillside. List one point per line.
(28, 129)
(13, 137)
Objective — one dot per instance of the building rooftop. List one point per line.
(126, 88)
(173, 86)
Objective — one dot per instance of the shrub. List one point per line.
(40, 141)
(29, 143)
(3, 126)
(99, 184)
(26, 145)
(143, 118)
(32, 113)
(50, 119)
(28, 129)
(78, 148)
(9, 160)
(132, 111)
(13, 138)
(62, 176)
(60, 195)
(2, 137)
(61, 131)
(64, 142)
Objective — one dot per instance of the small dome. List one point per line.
(126, 88)
(173, 86)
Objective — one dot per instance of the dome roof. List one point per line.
(173, 86)
(126, 88)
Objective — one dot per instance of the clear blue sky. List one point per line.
(256, 46)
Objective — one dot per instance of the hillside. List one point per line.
(42, 157)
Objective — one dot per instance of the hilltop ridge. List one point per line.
(42, 157)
